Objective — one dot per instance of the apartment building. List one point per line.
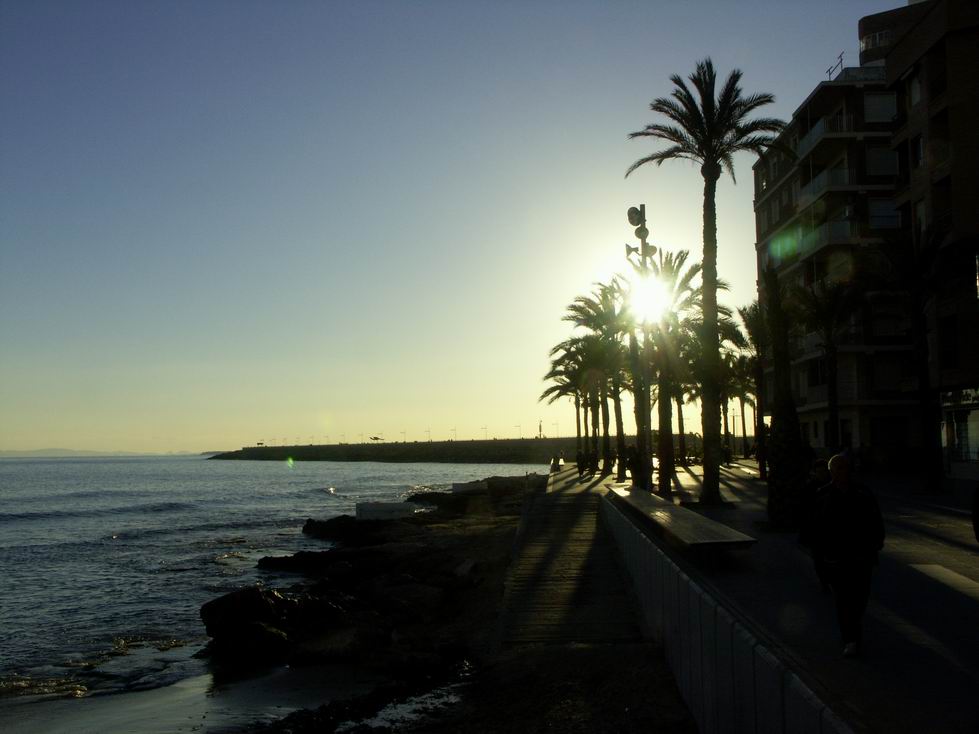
(878, 158)
(931, 64)
(818, 204)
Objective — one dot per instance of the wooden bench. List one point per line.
(688, 528)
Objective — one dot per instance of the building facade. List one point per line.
(876, 183)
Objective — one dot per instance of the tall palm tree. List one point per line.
(756, 329)
(788, 466)
(709, 129)
(826, 307)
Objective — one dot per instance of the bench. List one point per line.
(688, 528)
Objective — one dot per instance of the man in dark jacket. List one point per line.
(847, 533)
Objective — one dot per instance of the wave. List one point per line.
(151, 508)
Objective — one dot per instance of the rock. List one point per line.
(373, 511)
(465, 569)
(253, 604)
(252, 643)
(412, 601)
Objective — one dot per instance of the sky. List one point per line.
(231, 222)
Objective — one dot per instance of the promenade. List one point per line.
(566, 585)
(920, 667)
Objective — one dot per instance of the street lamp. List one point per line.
(640, 364)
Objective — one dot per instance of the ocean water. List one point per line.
(105, 563)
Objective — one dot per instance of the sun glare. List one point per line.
(649, 299)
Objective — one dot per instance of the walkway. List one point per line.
(920, 670)
(566, 585)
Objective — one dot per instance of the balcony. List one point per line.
(825, 126)
(822, 182)
(829, 232)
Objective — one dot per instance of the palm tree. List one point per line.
(787, 456)
(709, 129)
(756, 329)
(565, 372)
(604, 315)
(744, 389)
(826, 307)
(679, 298)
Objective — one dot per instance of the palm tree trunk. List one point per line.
(664, 447)
(683, 435)
(727, 431)
(606, 440)
(577, 422)
(584, 410)
(710, 398)
(619, 428)
(594, 423)
(832, 397)
(788, 465)
(638, 477)
(761, 442)
(744, 429)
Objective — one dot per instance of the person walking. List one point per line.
(808, 506)
(847, 534)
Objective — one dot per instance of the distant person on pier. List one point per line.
(847, 534)
(579, 460)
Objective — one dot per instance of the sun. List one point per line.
(649, 299)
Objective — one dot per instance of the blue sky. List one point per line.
(226, 222)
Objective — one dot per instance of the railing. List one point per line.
(822, 181)
(885, 221)
(824, 234)
(826, 125)
(862, 74)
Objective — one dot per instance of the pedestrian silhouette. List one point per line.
(847, 533)
(818, 479)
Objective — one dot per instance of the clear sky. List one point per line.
(228, 222)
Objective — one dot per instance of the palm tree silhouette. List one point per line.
(680, 297)
(709, 129)
(825, 308)
(756, 330)
(606, 317)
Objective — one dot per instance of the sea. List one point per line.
(105, 562)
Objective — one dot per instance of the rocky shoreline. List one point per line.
(414, 601)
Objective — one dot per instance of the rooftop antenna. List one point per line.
(834, 67)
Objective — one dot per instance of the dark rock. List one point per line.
(415, 602)
(252, 604)
(251, 643)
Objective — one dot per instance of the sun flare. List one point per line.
(649, 299)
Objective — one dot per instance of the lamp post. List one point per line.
(640, 362)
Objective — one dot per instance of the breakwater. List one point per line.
(494, 451)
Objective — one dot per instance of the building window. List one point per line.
(914, 90)
(875, 40)
(881, 162)
(948, 352)
(882, 214)
(920, 217)
(917, 153)
(879, 106)
(816, 372)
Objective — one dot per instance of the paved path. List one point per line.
(920, 670)
(566, 585)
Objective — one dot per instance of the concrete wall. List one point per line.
(731, 682)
